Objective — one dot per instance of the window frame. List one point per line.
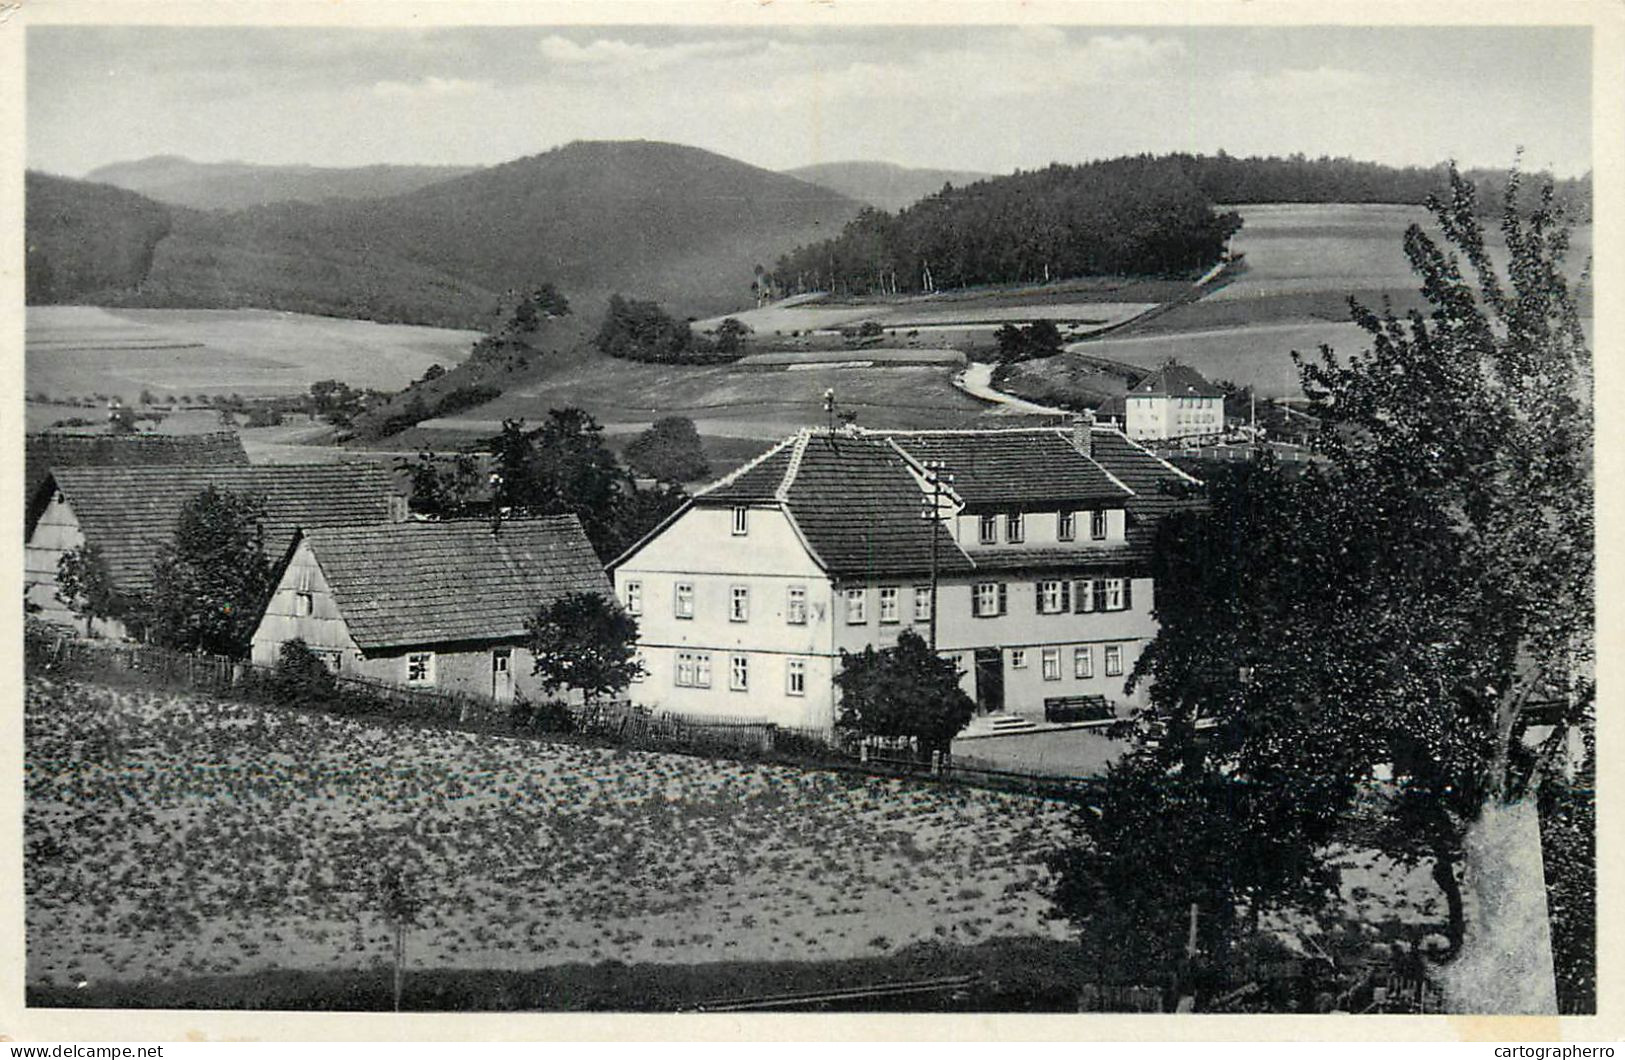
(795, 605)
(795, 677)
(857, 605)
(304, 603)
(1015, 528)
(1049, 663)
(683, 593)
(1066, 526)
(1113, 660)
(1050, 592)
(1099, 525)
(1083, 662)
(738, 673)
(896, 597)
(740, 525)
(977, 598)
(634, 597)
(429, 677)
(1018, 658)
(987, 529)
(922, 596)
(738, 603)
(1113, 594)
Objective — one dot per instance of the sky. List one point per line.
(985, 98)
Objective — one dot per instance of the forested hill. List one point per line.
(1247, 181)
(683, 226)
(1125, 216)
(238, 185)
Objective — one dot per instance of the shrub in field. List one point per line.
(669, 451)
(301, 677)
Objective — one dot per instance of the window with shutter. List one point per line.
(1086, 595)
(1128, 594)
(1004, 599)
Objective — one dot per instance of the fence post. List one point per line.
(936, 763)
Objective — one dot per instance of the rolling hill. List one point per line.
(884, 184)
(677, 224)
(180, 181)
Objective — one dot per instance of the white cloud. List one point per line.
(429, 88)
(614, 54)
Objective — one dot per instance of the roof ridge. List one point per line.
(1187, 476)
(797, 452)
(1065, 433)
(733, 475)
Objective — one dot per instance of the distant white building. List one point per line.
(1174, 402)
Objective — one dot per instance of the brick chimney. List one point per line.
(1083, 433)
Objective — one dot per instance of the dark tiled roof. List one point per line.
(1003, 469)
(128, 512)
(859, 507)
(436, 582)
(1094, 557)
(48, 450)
(1175, 380)
(757, 481)
(1157, 486)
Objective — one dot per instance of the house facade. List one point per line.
(128, 513)
(431, 605)
(747, 596)
(1174, 402)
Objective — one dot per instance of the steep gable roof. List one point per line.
(129, 512)
(1175, 380)
(46, 451)
(422, 583)
(1010, 468)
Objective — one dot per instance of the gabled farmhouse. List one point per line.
(1173, 402)
(45, 451)
(748, 594)
(129, 512)
(428, 604)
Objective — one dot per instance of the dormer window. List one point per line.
(1097, 526)
(1066, 527)
(739, 525)
(988, 530)
(1013, 531)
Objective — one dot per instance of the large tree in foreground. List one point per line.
(1403, 612)
(211, 578)
(585, 642)
(903, 691)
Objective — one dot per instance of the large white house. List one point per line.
(747, 595)
(1173, 402)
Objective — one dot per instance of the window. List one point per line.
(922, 603)
(501, 660)
(1083, 663)
(988, 599)
(303, 604)
(739, 524)
(795, 678)
(634, 598)
(1052, 597)
(420, 668)
(739, 604)
(795, 607)
(888, 604)
(1114, 595)
(683, 600)
(331, 658)
(988, 530)
(1013, 531)
(1097, 525)
(1018, 658)
(857, 607)
(739, 673)
(1085, 595)
(693, 669)
(1050, 661)
(1114, 660)
(1066, 526)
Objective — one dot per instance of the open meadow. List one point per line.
(171, 836)
(82, 350)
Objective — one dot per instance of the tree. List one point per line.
(1041, 338)
(669, 451)
(731, 334)
(1401, 611)
(442, 491)
(585, 642)
(903, 691)
(121, 419)
(86, 586)
(562, 466)
(212, 577)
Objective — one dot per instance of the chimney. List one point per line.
(1083, 433)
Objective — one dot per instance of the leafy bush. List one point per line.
(301, 677)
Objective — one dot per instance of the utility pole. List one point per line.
(932, 514)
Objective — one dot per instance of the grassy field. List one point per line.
(81, 350)
(173, 836)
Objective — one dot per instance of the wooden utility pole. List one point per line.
(932, 515)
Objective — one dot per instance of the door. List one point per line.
(502, 675)
(989, 680)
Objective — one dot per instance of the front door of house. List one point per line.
(502, 675)
(989, 680)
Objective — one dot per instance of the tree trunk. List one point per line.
(1444, 874)
(1505, 962)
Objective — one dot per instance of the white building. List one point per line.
(1174, 402)
(748, 594)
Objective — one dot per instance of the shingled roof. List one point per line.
(46, 451)
(1175, 380)
(418, 583)
(129, 512)
(1004, 469)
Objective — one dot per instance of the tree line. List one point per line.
(1125, 216)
